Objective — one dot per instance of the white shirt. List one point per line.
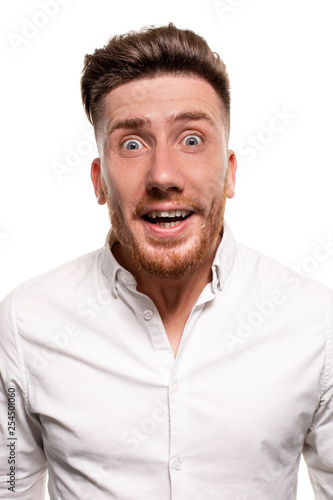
(104, 405)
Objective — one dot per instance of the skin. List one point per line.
(179, 162)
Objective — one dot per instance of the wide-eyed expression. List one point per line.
(165, 171)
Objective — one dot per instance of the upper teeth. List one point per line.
(170, 213)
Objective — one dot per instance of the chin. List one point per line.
(172, 262)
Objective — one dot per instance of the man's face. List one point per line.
(164, 172)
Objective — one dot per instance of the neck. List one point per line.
(170, 296)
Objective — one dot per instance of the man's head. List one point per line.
(162, 131)
(146, 54)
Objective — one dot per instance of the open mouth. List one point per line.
(167, 219)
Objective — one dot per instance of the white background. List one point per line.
(279, 57)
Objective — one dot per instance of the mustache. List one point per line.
(176, 198)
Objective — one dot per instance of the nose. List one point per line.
(165, 172)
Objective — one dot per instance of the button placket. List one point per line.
(176, 463)
(175, 385)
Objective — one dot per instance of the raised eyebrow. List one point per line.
(138, 122)
(127, 123)
(194, 115)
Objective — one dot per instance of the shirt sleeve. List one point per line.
(23, 468)
(318, 446)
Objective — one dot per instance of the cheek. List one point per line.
(125, 196)
(211, 188)
(212, 177)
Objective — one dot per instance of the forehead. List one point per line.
(160, 98)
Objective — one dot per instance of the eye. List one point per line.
(192, 140)
(132, 145)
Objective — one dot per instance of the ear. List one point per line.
(96, 175)
(232, 167)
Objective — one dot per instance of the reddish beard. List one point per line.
(168, 261)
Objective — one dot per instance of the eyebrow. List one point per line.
(127, 123)
(138, 122)
(193, 115)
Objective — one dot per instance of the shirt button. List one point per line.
(123, 277)
(148, 314)
(178, 463)
(175, 385)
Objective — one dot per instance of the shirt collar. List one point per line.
(224, 258)
(221, 267)
(111, 267)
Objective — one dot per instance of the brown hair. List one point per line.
(146, 54)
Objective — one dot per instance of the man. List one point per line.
(172, 363)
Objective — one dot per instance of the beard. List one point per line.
(166, 258)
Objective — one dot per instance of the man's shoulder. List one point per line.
(268, 269)
(58, 281)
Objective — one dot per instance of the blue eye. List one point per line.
(132, 145)
(192, 140)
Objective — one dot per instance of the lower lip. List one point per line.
(164, 232)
